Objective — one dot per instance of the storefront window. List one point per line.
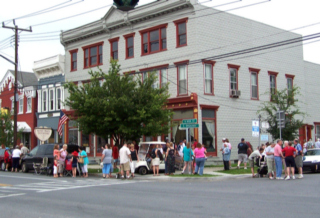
(85, 140)
(100, 143)
(73, 136)
(51, 139)
(178, 116)
(209, 130)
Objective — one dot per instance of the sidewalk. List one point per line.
(162, 177)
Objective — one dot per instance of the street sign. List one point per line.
(186, 126)
(281, 124)
(280, 116)
(189, 121)
(255, 128)
(264, 138)
(265, 125)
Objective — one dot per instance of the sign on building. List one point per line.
(255, 128)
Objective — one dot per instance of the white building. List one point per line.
(192, 47)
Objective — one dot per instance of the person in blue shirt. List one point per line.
(84, 165)
(187, 157)
(226, 156)
(298, 158)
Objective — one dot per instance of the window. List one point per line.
(93, 55)
(317, 129)
(74, 59)
(44, 101)
(129, 45)
(114, 48)
(289, 83)
(233, 70)
(58, 99)
(181, 29)
(154, 39)
(12, 104)
(273, 83)
(21, 105)
(29, 105)
(209, 127)
(254, 83)
(208, 77)
(182, 71)
(163, 77)
(51, 99)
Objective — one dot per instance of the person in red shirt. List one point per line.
(115, 155)
(289, 153)
(6, 158)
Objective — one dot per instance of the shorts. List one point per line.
(251, 163)
(133, 166)
(74, 165)
(15, 162)
(55, 170)
(115, 161)
(298, 161)
(84, 168)
(243, 158)
(290, 161)
(271, 165)
(125, 166)
(156, 161)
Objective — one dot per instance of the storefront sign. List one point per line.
(43, 133)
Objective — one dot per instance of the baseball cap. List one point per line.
(242, 139)
(75, 153)
(223, 139)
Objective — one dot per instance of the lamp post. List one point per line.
(125, 5)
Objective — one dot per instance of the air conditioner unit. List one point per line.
(235, 93)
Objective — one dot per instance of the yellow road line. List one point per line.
(4, 185)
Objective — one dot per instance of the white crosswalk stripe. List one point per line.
(63, 185)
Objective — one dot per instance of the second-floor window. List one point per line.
(154, 39)
(93, 55)
(58, 99)
(20, 105)
(272, 84)
(44, 101)
(289, 85)
(233, 79)
(29, 105)
(182, 80)
(51, 99)
(208, 79)
(181, 32)
(74, 59)
(129, 45)
(254, 85)
(163, 77)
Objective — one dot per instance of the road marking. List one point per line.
(21, 177)
(4, 185)
(12, 195)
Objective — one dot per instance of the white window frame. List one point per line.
(163, 71)
(44, 94)
(20, 105)
(210, 79)
(61, 98)
(53, 100)
(233, 82)
(29, 105)
(289, 88)
(254, 85)
(184, 79)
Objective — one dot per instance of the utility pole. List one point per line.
(16, 29)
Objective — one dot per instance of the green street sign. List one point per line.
(189, 121)
(186, 126)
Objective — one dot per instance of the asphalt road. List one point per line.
(28, 195)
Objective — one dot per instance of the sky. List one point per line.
(284, 14)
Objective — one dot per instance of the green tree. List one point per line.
(287, 101)
(6, 129)
(120, 106)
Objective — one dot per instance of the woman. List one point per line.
(134, 158)
(289, 153)
(84, 166)
(62, 160)
(56, 152)
(74, 161)
(170, 159)
(230, 148)
(16, 153)
(6, 158)
(193, 159)
(199, 153)
(156, 161)
(187, 154)
(106, 159)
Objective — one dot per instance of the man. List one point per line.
(252, 157)
(317, 145)
(270, 160)
(180, 148)
(310, 144)
(298, 158)
(242, 153)
(125, 159)
(278, 158)
(24, 151)
(115, 155)
(223, 141)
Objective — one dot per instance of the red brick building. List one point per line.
(26, 103)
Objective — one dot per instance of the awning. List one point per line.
(23, 126)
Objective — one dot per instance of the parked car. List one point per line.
(2, 164)
(37, 154)
(312, 160)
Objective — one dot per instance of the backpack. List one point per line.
(153, 154)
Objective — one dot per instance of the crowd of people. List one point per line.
(279, 155)
(18, 154)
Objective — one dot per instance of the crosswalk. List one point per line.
(58, 185)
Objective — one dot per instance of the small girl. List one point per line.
(55, 167)
(74, 161)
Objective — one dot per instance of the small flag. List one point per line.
(63, 118)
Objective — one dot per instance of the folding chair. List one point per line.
(44, 166)
(68, 168)
(36, 167)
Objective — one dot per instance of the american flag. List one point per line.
(63, 118)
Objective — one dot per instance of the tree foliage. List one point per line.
(6, 129)
(287, 101)
(120, 106)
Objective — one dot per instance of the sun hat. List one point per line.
(75, 154)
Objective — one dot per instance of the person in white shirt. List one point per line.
(16, 153)
(125, 159)
(317, 145)
(270, 160)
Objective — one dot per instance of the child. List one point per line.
(74, 161)
(252, 157)
(55, 167)
(226, 156)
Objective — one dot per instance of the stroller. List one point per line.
(262, 166)
(68, 168)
